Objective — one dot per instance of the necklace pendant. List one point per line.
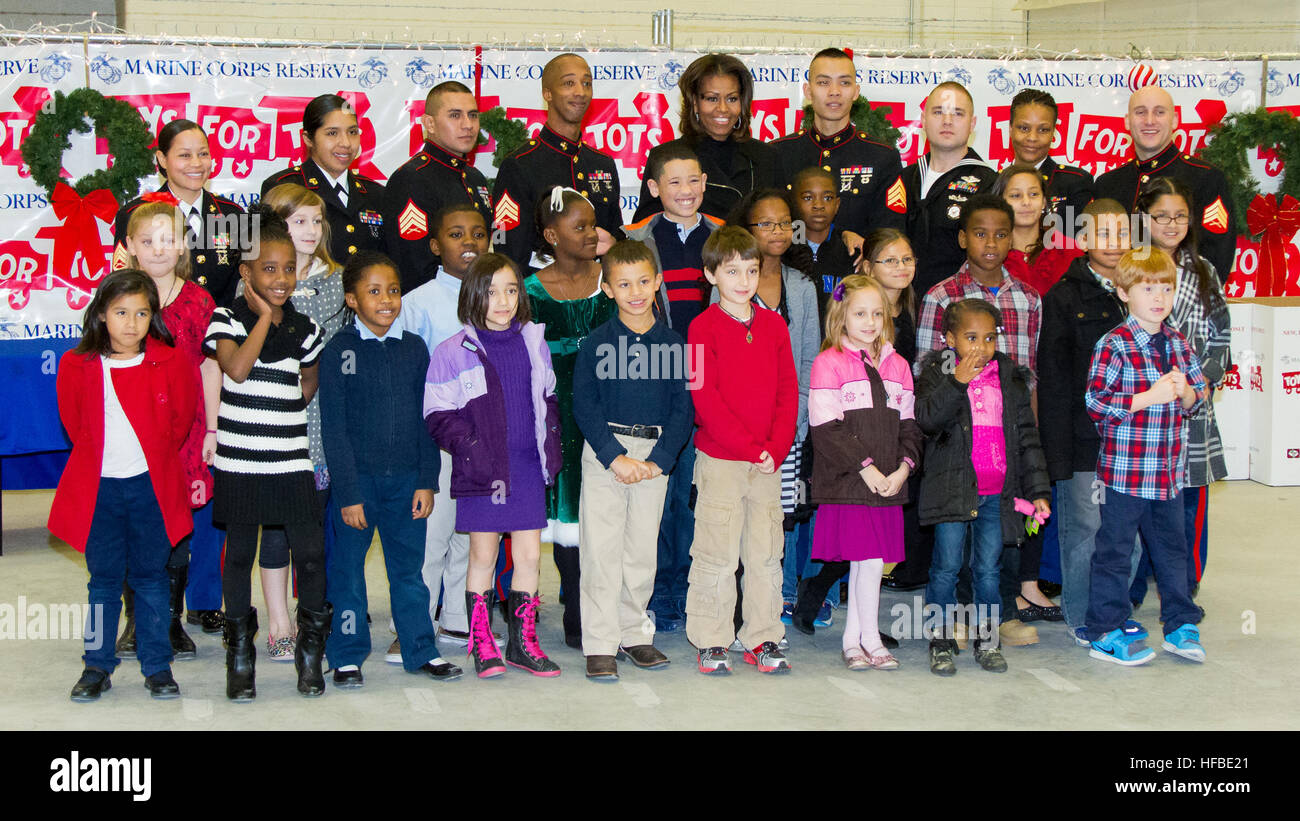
(749, 337)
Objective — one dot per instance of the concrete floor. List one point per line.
(1249, 682)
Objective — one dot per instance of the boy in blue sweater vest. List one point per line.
(384, 469)
(635, 412)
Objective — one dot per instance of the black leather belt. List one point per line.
(639, 431)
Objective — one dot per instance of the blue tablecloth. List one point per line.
(29, 412)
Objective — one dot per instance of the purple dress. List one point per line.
(520, 505)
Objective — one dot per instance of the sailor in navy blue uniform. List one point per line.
(1151, 120)
(441, 174)
(868, 172)
(940, 182)
(557, 156)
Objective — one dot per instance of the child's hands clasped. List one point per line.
(894, 482)
(629, 471)
(876, 481)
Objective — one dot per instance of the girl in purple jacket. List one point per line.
(489, 401)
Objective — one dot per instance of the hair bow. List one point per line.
(838, 293)
(161, 196)
(557, 196)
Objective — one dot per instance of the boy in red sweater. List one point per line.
(746, 403)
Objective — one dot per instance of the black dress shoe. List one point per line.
(889, 641)
(602, 668)
(439, 669)
(209, 621)
(903, 585)
(645, 656)
(92, 684)
(162, 685)
(349, 679)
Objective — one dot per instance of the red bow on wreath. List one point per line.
(79, 231)
(1278, 224)
(161, 196)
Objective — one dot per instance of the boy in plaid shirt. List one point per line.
(985, 235)
(1143, 385)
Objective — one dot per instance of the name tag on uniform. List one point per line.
(371, 217)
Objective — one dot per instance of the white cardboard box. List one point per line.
(1273, 388)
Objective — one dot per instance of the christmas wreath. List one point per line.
(1226, 150)
(117, 121)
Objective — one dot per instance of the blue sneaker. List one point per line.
(824, 618)
(1185, 642)
(1080, 635)
(787, 612)
(1118, 648)
(1134, 629)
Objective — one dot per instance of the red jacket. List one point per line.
(158, 397)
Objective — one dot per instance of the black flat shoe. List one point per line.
(209, 621)
(1036, 612)
(889, 641)
(162, 686)
(903, 585)
(440, 670)
(349, 679)
(92, 684)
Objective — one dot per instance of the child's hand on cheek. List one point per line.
(256, 304)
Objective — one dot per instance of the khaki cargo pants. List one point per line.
(737, 518)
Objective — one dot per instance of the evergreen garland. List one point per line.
(1234, 135)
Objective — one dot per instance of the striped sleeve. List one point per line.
(223, 325)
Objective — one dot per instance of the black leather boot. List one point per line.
(182, 645)
(125, 646)
(313, 629)
(241, 657)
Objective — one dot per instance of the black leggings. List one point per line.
(307, 546)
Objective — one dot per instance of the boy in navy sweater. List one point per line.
(632, 405)
(384, 471)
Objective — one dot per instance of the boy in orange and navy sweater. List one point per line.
(746, 404)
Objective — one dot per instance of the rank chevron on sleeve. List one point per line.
(507, 213)
(1215, 217)
(896, 197)
(412, 223)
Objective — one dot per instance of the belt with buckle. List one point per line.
(639, 431)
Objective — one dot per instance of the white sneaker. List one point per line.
(394, 654)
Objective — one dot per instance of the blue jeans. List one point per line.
(676, 532)
(1195, 529)
(986, 557)
(387, 501)
(128, 540)
(1078, 515)
(1160, 524)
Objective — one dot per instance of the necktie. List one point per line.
(342, 193)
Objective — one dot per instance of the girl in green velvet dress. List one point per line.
(565, 296)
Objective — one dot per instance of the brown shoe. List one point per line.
(644, 655)
(602, 668)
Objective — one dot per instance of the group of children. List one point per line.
(579, 406)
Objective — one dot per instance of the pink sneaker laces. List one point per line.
(528, 629)
(480, 631)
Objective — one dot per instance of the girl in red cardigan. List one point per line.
(127, 400)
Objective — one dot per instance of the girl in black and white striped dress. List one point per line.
(268, 354)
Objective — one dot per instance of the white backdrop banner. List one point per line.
(249, 100)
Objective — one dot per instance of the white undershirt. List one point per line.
(930, 178)
(123, 456)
